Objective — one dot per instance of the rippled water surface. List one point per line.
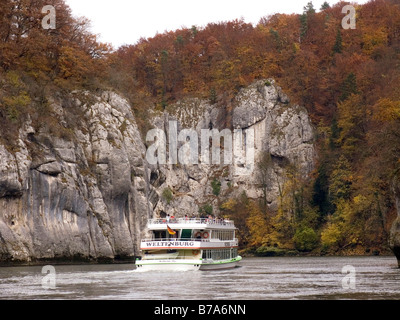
(256, 278)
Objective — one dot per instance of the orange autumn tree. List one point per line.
(36, 62)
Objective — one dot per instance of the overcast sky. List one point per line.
(125, 21)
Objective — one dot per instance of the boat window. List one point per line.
(186, 234)
(160, 234)
(220, 254)
(223, 234)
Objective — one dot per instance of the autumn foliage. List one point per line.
(347, 79)
(38, 63)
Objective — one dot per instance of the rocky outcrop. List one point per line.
(85, 197)
(87, 193)
(282, 132)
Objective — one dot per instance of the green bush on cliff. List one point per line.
(216, 187)
(167, 195)
(207, 209)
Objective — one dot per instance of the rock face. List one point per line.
(88, 193)
(282, 133)
(80, 198)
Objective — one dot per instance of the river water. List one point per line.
(256, 279)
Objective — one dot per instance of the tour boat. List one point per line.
(185, 244)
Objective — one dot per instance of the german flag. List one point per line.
(170, 231)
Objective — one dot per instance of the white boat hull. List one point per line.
(168, 265)
(219, 266)
(187, 265)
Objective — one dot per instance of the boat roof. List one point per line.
(190, 223)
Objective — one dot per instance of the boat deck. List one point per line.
(192, 223)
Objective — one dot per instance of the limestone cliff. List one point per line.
(88, 194)
(282, 132)
(85, 197)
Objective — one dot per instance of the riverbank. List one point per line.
(247, 252)
(347, 252)
(66, 262)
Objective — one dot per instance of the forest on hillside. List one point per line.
(347, 79)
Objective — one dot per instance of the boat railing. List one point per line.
(187, 240)
(156, 257)
(209, 221)
(175, 239)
